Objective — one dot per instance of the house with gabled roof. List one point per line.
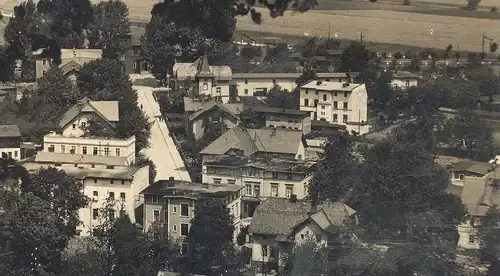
(272, 142)
(213, 112)
(279, 224)
(72, 137)
(71, 70)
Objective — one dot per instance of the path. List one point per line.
(162, 150)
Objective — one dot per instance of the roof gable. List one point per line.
(106, 110)
(210, 106)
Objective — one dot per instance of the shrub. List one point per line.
(493, 9)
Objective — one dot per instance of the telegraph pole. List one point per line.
(361, 37)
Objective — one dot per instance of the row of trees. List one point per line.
(39, 219)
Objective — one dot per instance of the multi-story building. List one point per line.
(172, 203)
(262, 177)
(72, 138)
(104, 178)
(273, 142)
(285, 118)
(213, 112)
(279, 224)
(404, 79)
(10, 142)
(76, 56)
(337, 103)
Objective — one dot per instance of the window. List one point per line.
(289, 175)
(218, 90)
(122, 196)
(264, 250)
(111, 181)
(288, 191)
(407, 82)
(274, 81)
(44, 61)
(246, 91)
(184, 229)
(231, 181)
(345, 105)
(322, 113)
(325, 97)
(174, 228)
(315, 103)
(205, 86)
(274, 189)
(134, 65)
(110, 167)
(75, 165)
(335, 105)
(307, 91)
(184, 249)
(111, 195)
(123, 182)
(156, 215)
(185, 210)
(95, 180)
(335, 117)
(246, 81)
(94, 151)
(51, 148)
(117, 152)
(16, 154)
(84, 150)
(93, 165)
(216, 119)
(256, 189)
(248, 190)
(306, 102)
(316, 92)
(217, 181)
(95, 213)
(345, 94)
(74, 126)
(318, 238)
(323, 107)
(472, 238)
(72, 150)
(111, 214)
(84, 125)
(344, 118)
(174, 210)
(63, 149)
(95, 193)
(275, 175)
(461, 176)
(154, 199)
(335, 93)
(106, 151)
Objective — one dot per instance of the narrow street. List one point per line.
(162, 150)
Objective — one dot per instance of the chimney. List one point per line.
(171, 178)
(293, 198)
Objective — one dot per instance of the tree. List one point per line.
(333, 175)
(307, 258)
(111, 23)
(6, 64)
(419, 131)
(278, 98)
(473, 4)
(467, 132)
(489, 240)
(308, 72)
(141, 160)
(449, 48)
(382, 92)
(210, 240)
(493, 47)
(98, 128)
(355, 57)
(103, 79)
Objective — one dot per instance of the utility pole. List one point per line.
(482, 43)
(329, 31)
(361, 37)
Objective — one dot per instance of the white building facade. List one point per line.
(10, 142)
(337, 103)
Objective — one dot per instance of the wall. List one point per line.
(76, 127)
(103, 187)
(60, 143)
(404, 83)
(455, 177)
(465, 230)
(198, 126)
(14, 153)
(289, 121)
(308, 231)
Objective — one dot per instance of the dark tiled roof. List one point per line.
(211, 104)
(279, 216)
(9, 131)
(190, 189)
(107, 110)
(70, 66)
(269, 164)
(472, 166)
(280, 111)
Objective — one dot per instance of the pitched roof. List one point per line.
(446, 161)
(475, 195)
(288, 111)
(254, 140)
(51, 157)
(269, 164)
(472, 166)
(190, 189)
(107, 110)
(331, 86)
(203, 67)
(280, 216)
(404, 75)
(70, 66)
(285, 75)
(211, 104)
(192, 105)
(126, 173)
(188, 71)
(9, 131)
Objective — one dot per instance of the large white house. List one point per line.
(215, 81)
(341, 103)
(71, 136)
(10, 142)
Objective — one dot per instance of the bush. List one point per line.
(493, 9)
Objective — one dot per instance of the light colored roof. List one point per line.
(70, 66)
(137, 32)
(331, 86)
(192, 105)
(81, 53)
(51, 157)
(107, 110)
(190, 189)
(404, 75)
(284, 75)
(279, 216)
(446, 161)
(126, 173)
(185, 71)
(255, 140)
(9, 131)
(268, 164)
(475, 195)
(471, 166)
